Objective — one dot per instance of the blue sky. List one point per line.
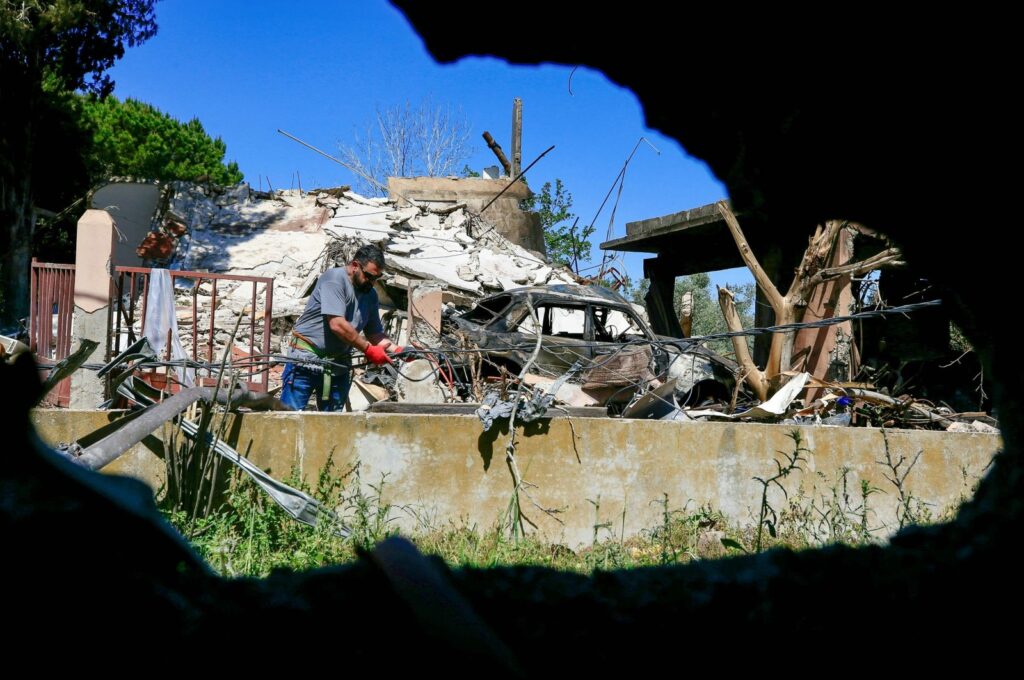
(319, 70)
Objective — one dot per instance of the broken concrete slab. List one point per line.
(418, 383)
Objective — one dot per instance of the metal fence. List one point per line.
(197, 319)
(51, 309)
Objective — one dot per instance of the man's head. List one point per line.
(366, 267)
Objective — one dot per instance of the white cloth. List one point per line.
(160, 318)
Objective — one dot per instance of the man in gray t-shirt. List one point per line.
(342, 313)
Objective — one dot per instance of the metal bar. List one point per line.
(213, 313)
(53, 265)
(62, 314)
(195, 320)
(32, 305)
(108, 346)
(58, 299)
(252, 331)
(268, 311)
(118, 311)
(37, 336)
(47, 326)
(37, 339)
(69, 308)
(145, 299)
(131, 305)
(174, 312)
(55, 332)
(62, 395)
(61, 328)
(197, 275)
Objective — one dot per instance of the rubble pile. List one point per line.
(597, 349)
(292, 236)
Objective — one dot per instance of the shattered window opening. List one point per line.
(611, 325)
(561, 321)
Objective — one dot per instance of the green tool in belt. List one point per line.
(300, 342)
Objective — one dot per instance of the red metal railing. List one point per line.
(128, 308)
(51, 309)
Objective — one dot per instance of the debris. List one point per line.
(620, 355)
(775, 407)
(114, 445)
(566, 393)
(974, 426)
(11, 348)
(780, 401)
(654, 405)
(418, 382)
(68, 365)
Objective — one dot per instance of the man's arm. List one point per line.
(347, 333)
(374, 332)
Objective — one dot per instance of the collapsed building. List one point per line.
(293, 236)
(236, 266)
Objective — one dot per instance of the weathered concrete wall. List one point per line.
(441, 468)
(132, 205)
(87, 391)
(517, 226)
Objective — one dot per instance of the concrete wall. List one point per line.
(444, 468)
(132, 205)
(517, 226)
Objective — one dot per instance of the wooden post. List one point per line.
(517, 136)
(496, 148)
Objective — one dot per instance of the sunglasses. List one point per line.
(372, 278)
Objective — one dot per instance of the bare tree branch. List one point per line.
(760, 276)
(751, 373)
(405, 141)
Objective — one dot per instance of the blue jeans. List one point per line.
(299, 382)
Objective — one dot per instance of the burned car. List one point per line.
(594, 333)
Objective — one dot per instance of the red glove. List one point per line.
(377, 355)
(396, 349)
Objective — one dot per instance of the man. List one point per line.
(343, 305)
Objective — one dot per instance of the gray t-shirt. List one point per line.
(335, 296)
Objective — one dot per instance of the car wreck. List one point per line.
(590, 334)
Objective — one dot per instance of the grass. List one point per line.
(246, 534)
(250, 536)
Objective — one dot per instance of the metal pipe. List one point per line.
(114, 445)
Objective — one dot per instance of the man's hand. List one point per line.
(377, 355)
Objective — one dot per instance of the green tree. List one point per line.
(49, 48)
(566, 244)
(707, 315)
(137, 139)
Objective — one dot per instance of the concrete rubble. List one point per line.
(293, 236)
(442, 257)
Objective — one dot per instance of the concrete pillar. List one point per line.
(93, 259)
(108, 235)
(659, 298)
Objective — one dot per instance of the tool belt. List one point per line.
(303, 343)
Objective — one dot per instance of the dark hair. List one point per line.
(370, 253)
